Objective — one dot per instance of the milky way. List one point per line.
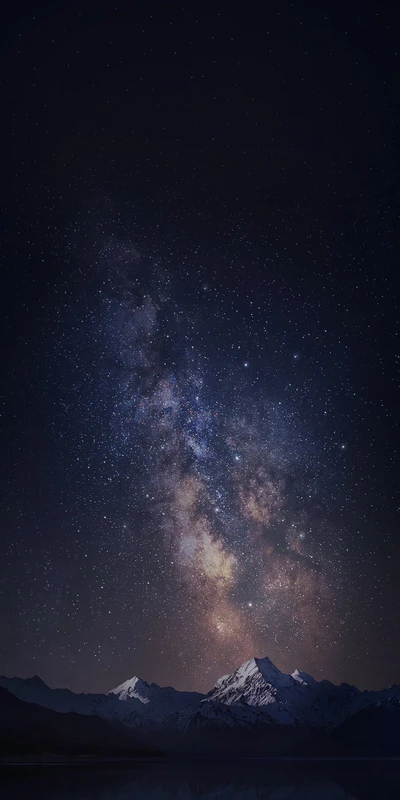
(200, 343)
(227, 477)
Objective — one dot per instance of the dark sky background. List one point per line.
(199, 341)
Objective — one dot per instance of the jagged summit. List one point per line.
(135, 688)
(266, 664)
(35, 680)
(256, 693)
(271, 673)
(156, 703)
(304, 677)
(259, 683)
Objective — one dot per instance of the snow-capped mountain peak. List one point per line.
(255, 694)
(267, 668)
(289, 699)
(135, 688)
(298, 677)
(304, 678)
(258, 682)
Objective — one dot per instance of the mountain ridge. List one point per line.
(256, 694)
(30, 727)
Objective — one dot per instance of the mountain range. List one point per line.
(31, 728)
(255, 709)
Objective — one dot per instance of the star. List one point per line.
(172, 485)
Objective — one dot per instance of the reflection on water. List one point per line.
(246, 780)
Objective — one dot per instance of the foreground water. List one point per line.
(245, 780)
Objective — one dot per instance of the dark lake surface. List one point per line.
(378, 780)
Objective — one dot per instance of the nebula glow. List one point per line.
(227, 480)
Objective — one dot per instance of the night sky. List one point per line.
(199, 342)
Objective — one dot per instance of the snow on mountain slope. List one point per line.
(34, 690)
(136, 688)
(260, 683)
(218, 715)
(255, 694)
(135, 703)
(303, 677)
(159, 701)
(293, 699)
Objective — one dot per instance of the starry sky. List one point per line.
(199, 342)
